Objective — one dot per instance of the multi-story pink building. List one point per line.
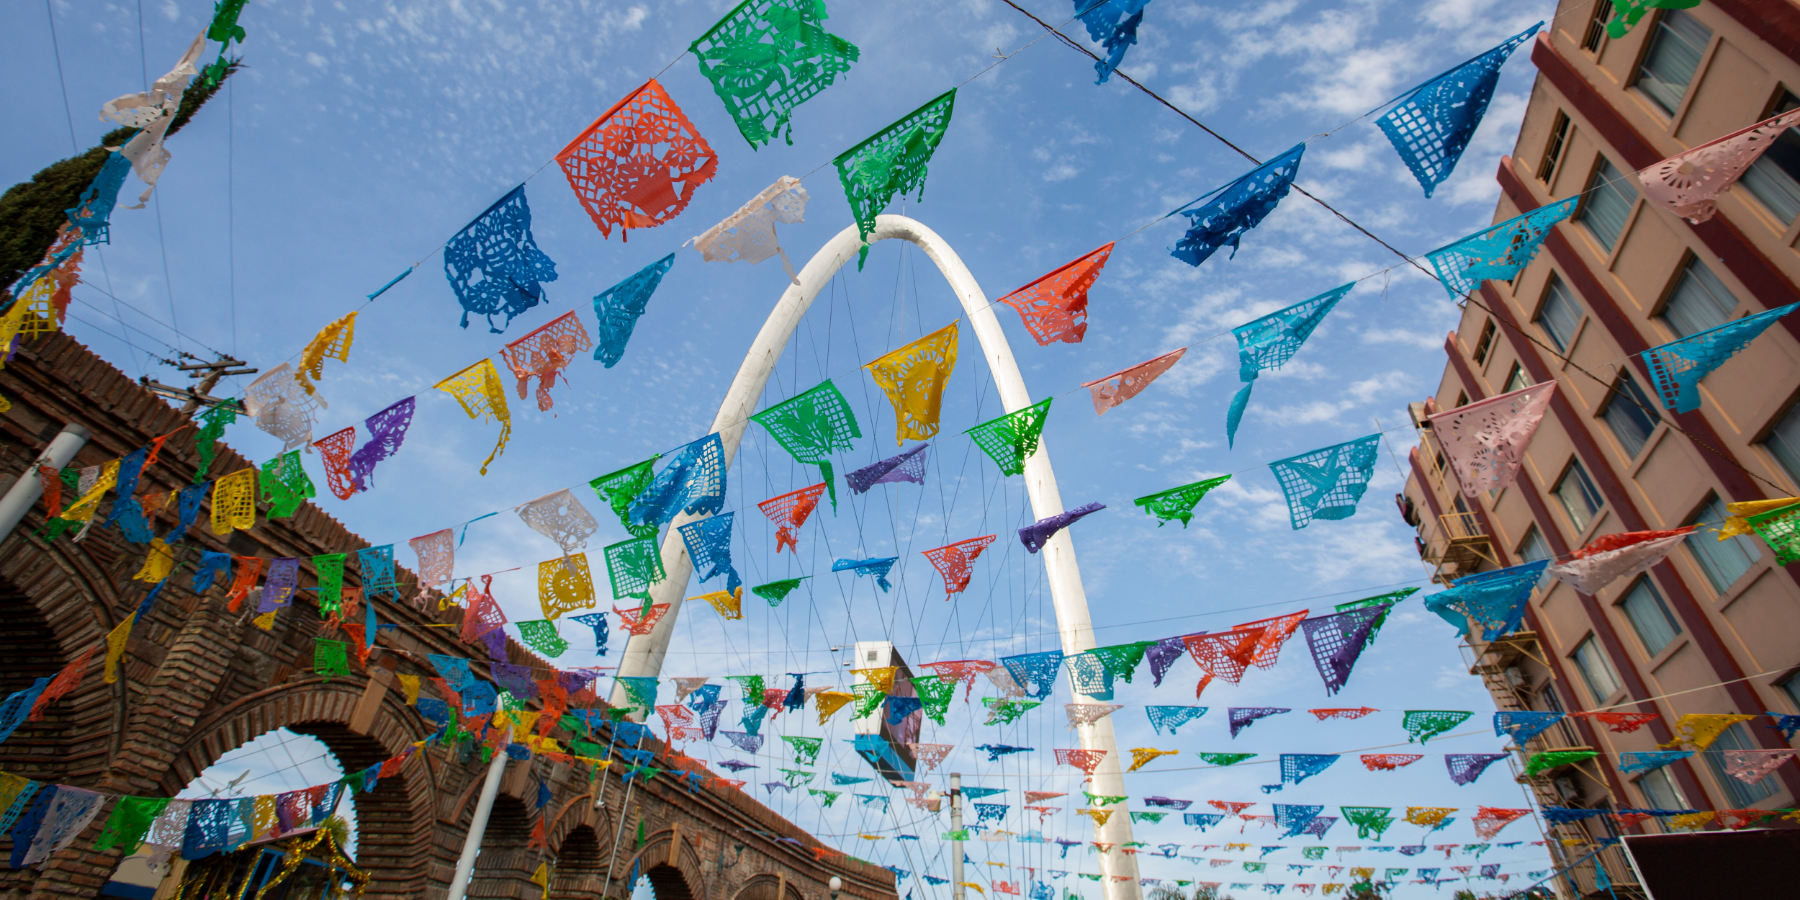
(1716, 627)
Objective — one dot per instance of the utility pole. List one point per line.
(194, 397)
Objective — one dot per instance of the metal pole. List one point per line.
(956, 847)
(465, 865)
(26, 491)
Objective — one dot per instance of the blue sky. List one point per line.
(360, 137)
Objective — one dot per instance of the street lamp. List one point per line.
(836, 884)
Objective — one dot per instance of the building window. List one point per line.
(1675, 48)
(1559, 315)
(1610, 194)
(1578, 497)
(1783, 442)
(1650, 617)
(1791, 687)
(1596, 27)
(1774, 179)
(1559, 135)
(1602, 682)
(1699, 301)
(1741, 794)
(1533, 548)
(1517, 380)
(1485, 343)
(1660, 790)
(1628, 414)
(1724, 562)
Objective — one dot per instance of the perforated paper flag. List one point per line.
(561, 518)
(153, 112)
(693, 482)
(618, 308)
(1178, 503)
(639, 164)
(387, 431)
(766, 57)
(812, 426)
(332, 342)
(565, 585)
(1486, 440)
(1236, 208)
(892, 161)
(748, 235)
(633, 566)
(494, 264)
(908, 465)
(1494, 600)
(1012, 438)
(1272, 340)
(282, 407)
(790, 511)
(708, 543)
(1327, 483)
(913, 378)
(955, 561)
(1688, 184)
(1497, 252)
(544, 353)
(1054, 307)
(1432, 124)
(478, 390)
(1677, 367)
(1613, 557)
(1125, 384)
(1114, 23)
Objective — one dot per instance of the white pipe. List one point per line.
(28, 489)
(956, 847)
(465, 865)
(1067, 596)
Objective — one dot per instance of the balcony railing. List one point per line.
(1458, 546)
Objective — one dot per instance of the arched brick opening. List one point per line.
(673, 875)
(394, 822)
(766, 887)
(31, 651)
(505, 866)
(580, 864)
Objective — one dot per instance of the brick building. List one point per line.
(198, 680)
(1716, 627)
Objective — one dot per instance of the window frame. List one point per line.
(1674, 787)
(1771, 433)
(1684, 272)
(1556, 286)
(1791, 687)
(1656, 29)
(1595, 36)
(1777, 105)
(1517, 375)
(1590, 493)
(1640, 618)
(1702, 541)
(1740, 794)
(1533, 535)
(1484, 345)
(1560, 126)
(1587, 677)
(1643, 404)
(1615, 186)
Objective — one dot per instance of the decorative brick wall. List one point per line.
(198, 681)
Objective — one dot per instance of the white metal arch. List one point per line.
(644, 654)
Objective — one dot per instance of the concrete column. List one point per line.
(29, 489)
(465, 865)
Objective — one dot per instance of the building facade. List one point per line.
(1715, 628)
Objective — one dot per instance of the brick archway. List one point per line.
(199, 680)
(767, 887)
(669, 861)
(390, 819)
